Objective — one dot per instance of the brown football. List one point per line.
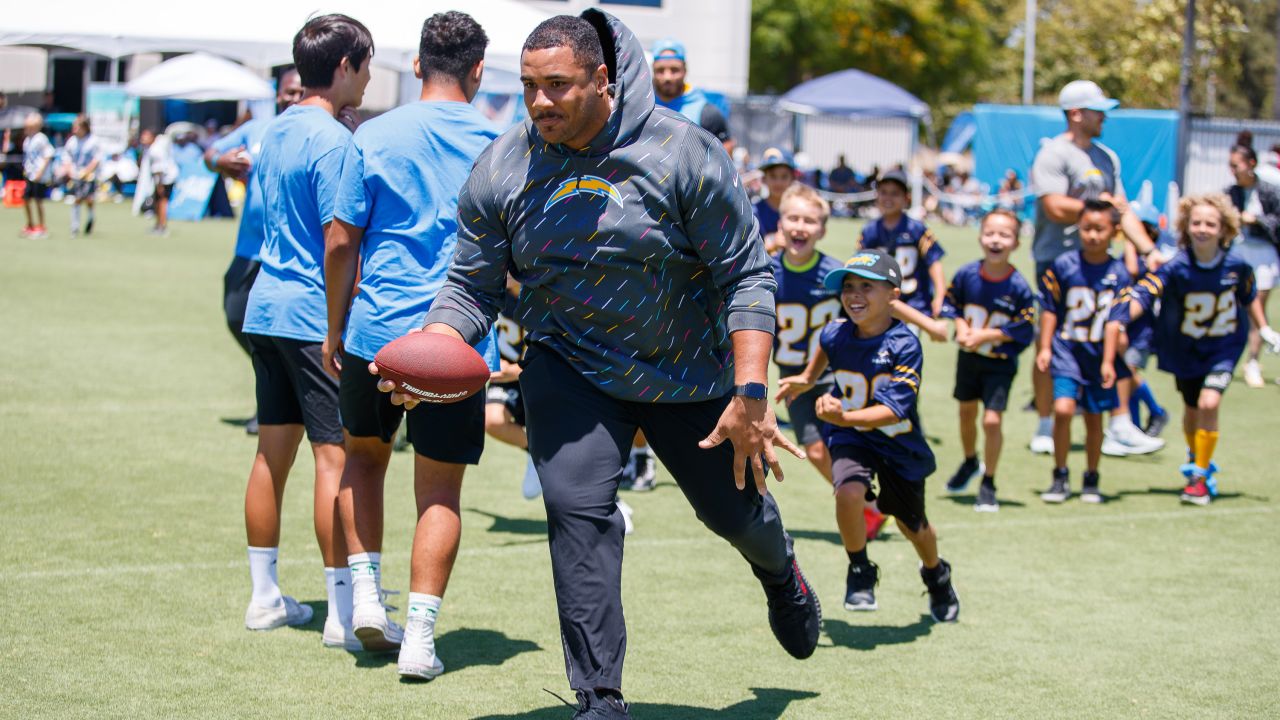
(432, 367)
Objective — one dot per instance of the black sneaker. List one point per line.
(1060, 490)
(1156, 424)
(964, 474)
(593, 706)
(795, 616)
(1089, 493)
(860, 587)
(944, 606)
(986, 499)
(88, 227)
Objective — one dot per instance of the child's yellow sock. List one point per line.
(1206, 441)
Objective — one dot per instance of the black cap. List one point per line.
(895, 176)
(870, 264)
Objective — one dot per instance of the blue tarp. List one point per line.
(960, 134)
(853, 93)
(1008, 136)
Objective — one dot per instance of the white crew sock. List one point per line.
(262, 572)
(426, 608)
(1046, 426)
(1121, 425)
(337, 584)
(366, 576)
(75, 218)
(642, 451)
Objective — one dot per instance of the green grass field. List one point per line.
(123, 469)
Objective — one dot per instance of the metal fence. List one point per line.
(1210, 146)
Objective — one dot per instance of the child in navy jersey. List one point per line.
(1079, 329)
(1207, 300)
(873, 428)
(912, 245)
(993, 308)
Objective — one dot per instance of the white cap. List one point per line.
(1085, 95)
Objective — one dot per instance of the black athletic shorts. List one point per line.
(804, 418)
(163, 191)
(507, 395)
(447, 433)
(236, 284)
(35, 191)
(293, 388)
(1190, 387)
(897, 496)
(982, 378)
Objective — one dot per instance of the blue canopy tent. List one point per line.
(854, 94)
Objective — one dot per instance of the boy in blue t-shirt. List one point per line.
(1080, 323)
(873, 428)
(804, 306)
(994, 309)
(285, 321)
(779, 171)
(396, 219)
(1207, 301)
(912, 244)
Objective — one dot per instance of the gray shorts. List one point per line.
(804, 420)
(1137, 357)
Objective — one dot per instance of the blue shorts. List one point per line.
(1092, 398)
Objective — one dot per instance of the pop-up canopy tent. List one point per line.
(200, 77)
(259, 34)
(853, 94)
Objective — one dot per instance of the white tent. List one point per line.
(253, 32)
(200, 77)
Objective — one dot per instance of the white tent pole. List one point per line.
(1029, 55)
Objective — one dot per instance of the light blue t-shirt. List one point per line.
(297, 175)
(400, 182)
(249, 136)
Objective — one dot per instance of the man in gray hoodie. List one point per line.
(648, 303)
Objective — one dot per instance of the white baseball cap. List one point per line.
(1086, 95)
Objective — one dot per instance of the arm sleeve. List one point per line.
(899, 394)
(1247, 289)
(930, 251)
(1148, 289)
(471, 299)
(354, 201)
(718, 219)
(953, 301)
(1119, 311)
(1021, 329)
(827, 337)
(1050, 291)
(713, 121)
(1048, 175)
(324, 181)
(231, 140)
(1269, 195)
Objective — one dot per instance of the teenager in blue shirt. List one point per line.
(994, 312)
(1080, 321)
(912, 244)
(1208, 302)
(285, 322)
(873, 427)
(396, 218)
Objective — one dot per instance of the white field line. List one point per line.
(538, 546)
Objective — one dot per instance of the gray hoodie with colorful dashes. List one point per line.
(637, 256)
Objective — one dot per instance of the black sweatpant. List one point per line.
(236, 284)
(579, 439)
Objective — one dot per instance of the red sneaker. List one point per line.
(1196, 492)
(875, 520)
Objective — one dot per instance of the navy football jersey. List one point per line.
(1085, 297)
(984, 302)
(915, 248)
(510, 333)
(1203, 323)
(804, 307)
(881, 370)
(766, 216)
(1142, 332)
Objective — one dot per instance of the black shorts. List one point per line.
(1190, 387)
(163, 191)
(804, 419)
(35, 191)
(983, 378)
(83, 189)
(507, 395)
(293, 388)
(447, 433)
(897, 496)
(236, 284)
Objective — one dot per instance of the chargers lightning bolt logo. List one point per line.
(587, 184)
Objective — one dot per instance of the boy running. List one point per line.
(1080, 322)
(910, 242)
(37, 168)
(1207, 300)
(873, 428)
(779, 171)
(994, 311)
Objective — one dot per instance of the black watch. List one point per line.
(752, 391)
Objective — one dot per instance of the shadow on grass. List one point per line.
(870, 637)
(514, 526)
(768, 704)
(972, 500)
(235, 422)
(460, 649)
(833, 537)
(1176, 492)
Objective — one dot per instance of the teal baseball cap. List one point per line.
(870, 264)
(668, 49)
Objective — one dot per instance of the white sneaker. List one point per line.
(377, 632)
(288, 612)
(1042, 444)
(1111, 447)
(532, 486)
(418, 659)
(628, 526)
(1135, 441)
(337, 636)
(1253, 374)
